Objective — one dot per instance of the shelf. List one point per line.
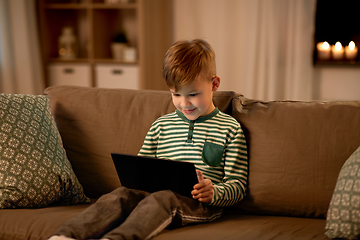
(114, 6)
(87, 60)
(115, 61)
(66, 6)
(95, 24)
(340, 63)
(76, 60)
(91, 6)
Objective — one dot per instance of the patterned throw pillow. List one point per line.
(34, 169)
(343, 217)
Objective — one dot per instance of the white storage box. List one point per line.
(76, 74)
(117, 76)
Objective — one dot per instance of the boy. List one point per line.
(196, 132)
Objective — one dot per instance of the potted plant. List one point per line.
(119, 45)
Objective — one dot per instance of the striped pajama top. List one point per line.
(214, 143)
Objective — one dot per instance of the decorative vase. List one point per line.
(118, 50)
(67, 44)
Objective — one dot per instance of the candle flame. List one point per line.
(352, 45)
(325, 45)
(338, 46)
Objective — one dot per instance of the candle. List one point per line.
(323, 49)
(337, 51)
(351, 51)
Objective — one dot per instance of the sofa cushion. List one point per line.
(95, 122)
(296, 150)
(35, 224)
(250, 227)
(343, 217)
(34, 169)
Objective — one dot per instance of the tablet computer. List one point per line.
(154, 174)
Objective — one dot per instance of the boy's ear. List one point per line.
(215, 83)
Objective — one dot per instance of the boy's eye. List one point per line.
(190, 95)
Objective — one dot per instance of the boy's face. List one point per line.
(195, 99)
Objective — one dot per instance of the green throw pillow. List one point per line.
(343, 217)
(34, 169)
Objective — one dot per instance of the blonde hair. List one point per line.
(185, 60)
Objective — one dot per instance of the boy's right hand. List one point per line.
(204, 190)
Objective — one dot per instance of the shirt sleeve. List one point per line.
(150, 144)
(233, 186)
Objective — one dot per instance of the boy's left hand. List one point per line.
(204, 190)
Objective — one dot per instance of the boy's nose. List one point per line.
(185, 102)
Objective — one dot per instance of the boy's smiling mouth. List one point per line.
(189, 111)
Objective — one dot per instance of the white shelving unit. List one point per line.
(95, 22)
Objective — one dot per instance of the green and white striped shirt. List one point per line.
(215, 144)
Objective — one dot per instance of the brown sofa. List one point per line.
(296, 150)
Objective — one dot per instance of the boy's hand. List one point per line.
(204, 190)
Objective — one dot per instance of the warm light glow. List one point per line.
(323, 50)
(325, 45)
(351, 51)
(338, 46)
(352, 45)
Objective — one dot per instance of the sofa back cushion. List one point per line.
(296, 150)
(95, 122)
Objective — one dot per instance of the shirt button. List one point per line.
(191, 128)
(190, 137)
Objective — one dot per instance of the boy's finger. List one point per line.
(200, 185)
(199, 175)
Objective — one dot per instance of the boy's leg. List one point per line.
(108, 212)
(192, 211)
(155, 212)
